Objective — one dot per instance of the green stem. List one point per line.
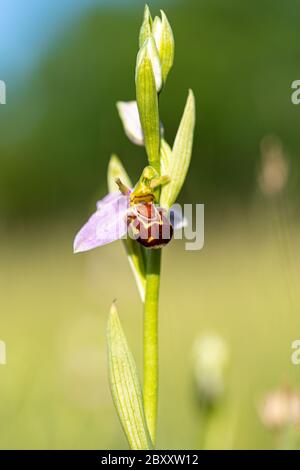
(151, 340)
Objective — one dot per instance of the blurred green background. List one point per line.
(65, 66)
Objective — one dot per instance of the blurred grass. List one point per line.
(54, 306)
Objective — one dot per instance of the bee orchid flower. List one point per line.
(130, 212)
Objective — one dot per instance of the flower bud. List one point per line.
(164, 39)
(149, 49)
(146, 28)
(210, 361)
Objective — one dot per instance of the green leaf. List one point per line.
(181, 154)
(136, 258)
(146, 28)
(164, 40)
(125, 386)
(135, 252)
(147, 101)
(165, 157)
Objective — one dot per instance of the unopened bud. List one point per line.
(149, 50)
(146, 28)
(164, 39)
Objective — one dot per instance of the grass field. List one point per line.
(54, 306)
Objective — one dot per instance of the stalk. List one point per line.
(151, 340)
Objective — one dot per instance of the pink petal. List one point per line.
(108, 199)
(106, 225)
(130, 118)
(177, 218)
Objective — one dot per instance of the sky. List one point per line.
(27, 26)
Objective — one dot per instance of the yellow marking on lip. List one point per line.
(142, 198)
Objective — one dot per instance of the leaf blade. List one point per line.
(181, 153)
(125, 386)
(165, 157)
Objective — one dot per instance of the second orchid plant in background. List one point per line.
(143, 217)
